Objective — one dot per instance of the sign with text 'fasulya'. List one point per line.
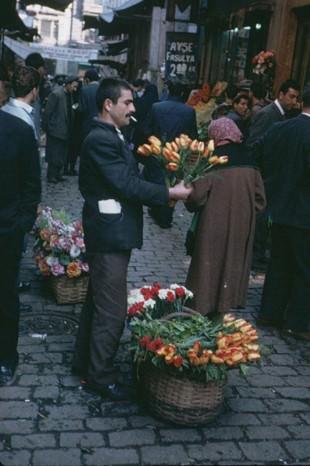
(181, 56)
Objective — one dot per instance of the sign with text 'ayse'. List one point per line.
(181, 56)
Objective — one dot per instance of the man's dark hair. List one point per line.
(231, 91)
(110, 88)
(91, 75)
(239, 97)
(176, 88)
(24, 79)
(138, 83)
(289, 84)
(259, 90)
(306, 97)
(35, 60)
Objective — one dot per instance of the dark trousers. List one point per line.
(102, 317)
(10, 255)
(56, 156)
(286, 294)
(261, 241)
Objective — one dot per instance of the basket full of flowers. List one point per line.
(182, 357)
(59, 252)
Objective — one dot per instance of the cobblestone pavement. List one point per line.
(47, 420)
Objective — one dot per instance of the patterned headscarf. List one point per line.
(224, 131)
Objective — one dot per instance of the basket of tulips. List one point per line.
(183, 359)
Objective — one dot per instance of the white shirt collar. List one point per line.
(305, 113)
(277, 103)
(19, 103)
(120, 134)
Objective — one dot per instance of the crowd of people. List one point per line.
(103, 122)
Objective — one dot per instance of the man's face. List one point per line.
(121, 111)
(72, 87)
(242, 107)
(289, 99)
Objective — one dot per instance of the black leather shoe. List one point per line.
(113, 392)
(52, 180)
(25, 307)
(61, 178)
(7, 375)
(23, 286)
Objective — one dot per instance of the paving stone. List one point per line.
(170, 455)
(106, 424)
(46, 392)
(294, 392)
(33, 441)
(215, 451)
(286, 406)
(247, 405)
(18, 426)
(180, 435)
(266, 432)
(223, 433)
(145, 421)
(300, 432)
(250, 392)
(300, 381)
(15, 458)
(111, 457)
(18, 409)
(19, 393)
(30, 380)
(279, 419)
(265, 381)
(60, 424)
(264, 452)
(279, 370)
(59, 457)
(238, 419)
(133, 437)
(81, 439)
(39, 358)
(66, 412)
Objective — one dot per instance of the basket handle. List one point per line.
(186, 313)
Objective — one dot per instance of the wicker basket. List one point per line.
(69, 290)
(179, 399)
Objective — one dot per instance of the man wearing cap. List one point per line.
(58, 121)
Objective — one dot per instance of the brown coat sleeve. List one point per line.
(199, 194)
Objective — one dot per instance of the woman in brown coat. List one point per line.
(228, 199)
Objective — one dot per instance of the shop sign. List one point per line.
(181, 56)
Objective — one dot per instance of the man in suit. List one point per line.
(19, 198)
(261, 123)
(87, 104)
(58, 120)
(114, 193)
(286, 168)
(275, 111)
(167, 120)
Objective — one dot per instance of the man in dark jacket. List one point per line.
(114, 194)
(286, 168)
(260, 124)
(87, 105)
(167, 120)
(19, 198)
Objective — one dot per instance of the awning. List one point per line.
(120, 67)
(119, 20)
(12, 24)
(60, 5)
(115, 48)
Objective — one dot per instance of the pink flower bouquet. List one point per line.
(59, 247)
